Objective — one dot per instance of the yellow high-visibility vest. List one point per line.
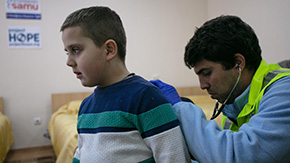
(265, 75)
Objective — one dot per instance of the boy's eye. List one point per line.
(206, 73)
(75, 50)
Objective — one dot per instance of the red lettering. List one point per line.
(14, 5)
(35, 7)
(20, 6)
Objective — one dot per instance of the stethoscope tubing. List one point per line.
(216, 111)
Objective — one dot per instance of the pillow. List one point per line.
(73, 106)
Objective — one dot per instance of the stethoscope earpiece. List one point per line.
(237, 66)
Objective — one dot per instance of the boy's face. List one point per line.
(88, 61)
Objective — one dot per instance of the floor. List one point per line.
(29, 153)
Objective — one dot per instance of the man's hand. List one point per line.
(168, 91)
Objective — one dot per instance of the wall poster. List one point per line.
(24, 37)
(23, 9)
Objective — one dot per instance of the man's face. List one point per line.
(216, 80)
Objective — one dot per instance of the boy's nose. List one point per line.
(70, 62)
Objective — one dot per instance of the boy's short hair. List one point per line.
(99, 24)
(219, 39)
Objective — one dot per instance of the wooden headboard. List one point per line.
(196, 94)
(1, 105)
(189, 91)
(59, 99)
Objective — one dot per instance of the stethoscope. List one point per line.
(216, 111)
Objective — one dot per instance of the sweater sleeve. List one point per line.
(266, 138)
(161, 131)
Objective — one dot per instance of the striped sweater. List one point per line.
(129, 121)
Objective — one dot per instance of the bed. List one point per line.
(6, 136)
(62, 125)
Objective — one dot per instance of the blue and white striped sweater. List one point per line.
(130, 121)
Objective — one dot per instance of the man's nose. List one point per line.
(203, 83)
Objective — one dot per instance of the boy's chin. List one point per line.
(87, 84)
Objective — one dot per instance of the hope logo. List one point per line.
(23, 37)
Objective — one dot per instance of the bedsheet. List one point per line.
(6, 136)
(63, 131)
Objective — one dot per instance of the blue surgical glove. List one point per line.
(168, 91)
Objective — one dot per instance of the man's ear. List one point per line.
(240, 60)
(111, 48)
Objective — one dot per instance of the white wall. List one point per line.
(157, 32)
(269, 19)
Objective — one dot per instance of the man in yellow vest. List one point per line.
(255, 96)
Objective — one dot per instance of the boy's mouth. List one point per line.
(78, 74)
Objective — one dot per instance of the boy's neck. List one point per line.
(124, 75)
(117, 76)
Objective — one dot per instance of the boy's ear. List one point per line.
(111, 48)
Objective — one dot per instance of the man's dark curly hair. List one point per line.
(219, 39)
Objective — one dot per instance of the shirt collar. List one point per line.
(234, 109)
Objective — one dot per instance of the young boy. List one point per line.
(126, 118)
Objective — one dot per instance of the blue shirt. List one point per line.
(266, 138)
